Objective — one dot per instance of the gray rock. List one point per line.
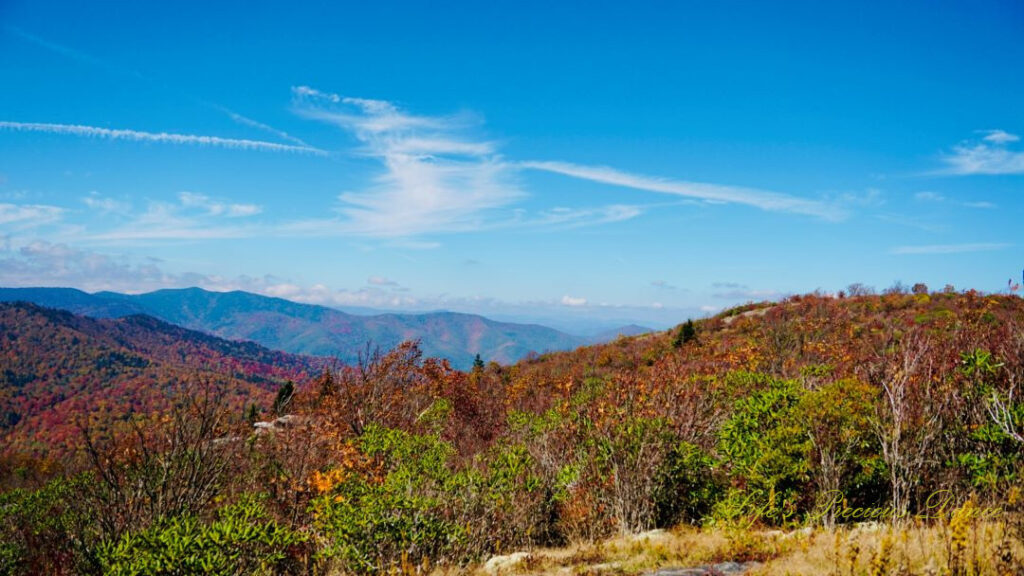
(721, 569)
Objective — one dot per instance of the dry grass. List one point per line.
(634, 554)
(982, 548)
(975, 548)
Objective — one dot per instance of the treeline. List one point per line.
(902, 406)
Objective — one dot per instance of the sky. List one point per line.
(566, 162)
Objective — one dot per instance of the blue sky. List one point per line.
(564, 162)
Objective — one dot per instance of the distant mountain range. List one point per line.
(318, 330)
(57, 367)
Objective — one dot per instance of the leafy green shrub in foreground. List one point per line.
(45, 531)
(373, 522)
(242, 540)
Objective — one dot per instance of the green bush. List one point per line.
(374, 523)
(764, 450)
(242, 540)
(46, 531)
(688, 486)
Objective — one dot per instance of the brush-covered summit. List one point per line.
(811, 337)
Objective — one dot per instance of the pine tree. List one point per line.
(687, 333)
(252, 414)
(284, 397)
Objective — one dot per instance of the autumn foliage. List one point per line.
(762, 415)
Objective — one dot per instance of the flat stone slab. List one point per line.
(721, 569)
(500, 564)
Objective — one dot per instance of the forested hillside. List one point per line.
(816, 411)
(61, 372)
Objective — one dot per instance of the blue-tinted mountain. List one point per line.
(309, 329)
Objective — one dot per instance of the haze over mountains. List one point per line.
(317, 330)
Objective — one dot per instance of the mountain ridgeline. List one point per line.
(316, 330)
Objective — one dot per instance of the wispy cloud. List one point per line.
(936, 198)
(246, 121)
(380, 281)
(216, 208)
(28, 215)
(437, 175)
(68, 52)
(763, 199)
(83, 57)
(193, 217)
(999, 136)
(949, 248)
(990, 156)
(926, 222)
(562, 217)
(162, 137)
(105, 205)
(663, 285)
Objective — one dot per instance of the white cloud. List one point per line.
(193, 217)
(380, 281)
(215, 208)
(105, 205)
(949, 248)
(283, 290)
(572, 301)
(372, 297)
(437, 176)
(306, 91)
(662, 285)
(939, 198)
(713, 193)
(242, 210)
(988, 157)
(999, 136)
(245, 121)
(28, 215)
(121, 71)
(41, 263)
(573, 217)
(164, 137)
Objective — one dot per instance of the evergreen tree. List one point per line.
(252, 414)
(284, 397)
(687, 333)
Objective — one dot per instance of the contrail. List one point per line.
(139, 136)
(80, 56)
